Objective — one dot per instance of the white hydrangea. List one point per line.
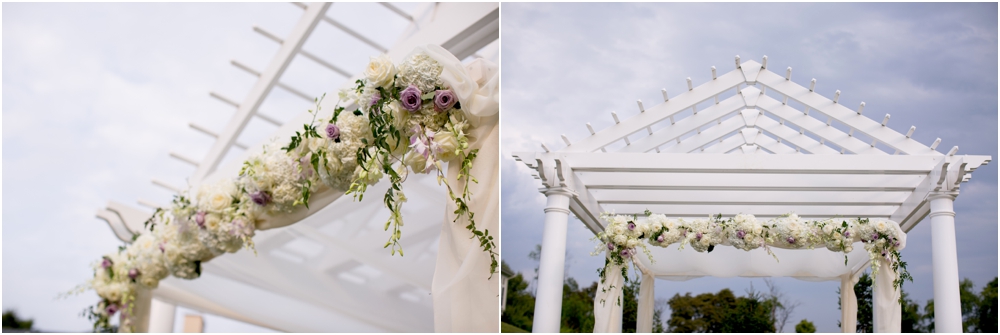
(420, 70)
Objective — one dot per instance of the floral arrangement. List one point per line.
(405, 120)
(625, 234)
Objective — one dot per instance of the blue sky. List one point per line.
(96, 95)
(933, 66)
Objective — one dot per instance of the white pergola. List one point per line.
(327, 272)
(751, 141)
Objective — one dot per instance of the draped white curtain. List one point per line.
(608, 302)
(848, 304)
(885, 302)
(466, 298)
(644, 319)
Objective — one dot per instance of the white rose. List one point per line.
(657, 226)
(631, 243)
(446, 144)
(620, 239)
(828, 229)
(881, 226)
(380, 71)
(416, 162)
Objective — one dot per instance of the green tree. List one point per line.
(578, 307)
(11, 321)
(720, 312)
(751, 315)
(986, 312)
(520, 308)
(863, 291)
(805, 326)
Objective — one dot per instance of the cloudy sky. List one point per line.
(95, 96)
(933, 66)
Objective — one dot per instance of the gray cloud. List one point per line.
(929, 65)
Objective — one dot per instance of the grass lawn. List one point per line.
(509, 328)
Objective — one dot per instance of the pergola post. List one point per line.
(848, 304)
(947, 305)
(548, 299)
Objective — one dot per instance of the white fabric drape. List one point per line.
(644, 319)
(885, 302)
(464, 299)
(139, 317)
(608, 302)
(848, 304)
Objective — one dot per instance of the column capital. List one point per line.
(942, 195)
(561, 190)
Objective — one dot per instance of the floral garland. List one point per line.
(406, 119)
(625, 235)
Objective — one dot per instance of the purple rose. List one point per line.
(611, 246)
(847, 233)
(874, 237)
(162, 247)
(660, 239)
(410, 98)
(106, 263)
(790, 240)
(631, 225)
(333, 132)
(740, 234)
(111, 309)
(698, 236)
(443, 100)
(625, 253)
(200, 219)
(133, 274)
(684, 233)
(260, 198)
(375, 98)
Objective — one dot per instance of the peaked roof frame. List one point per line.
(750, 151)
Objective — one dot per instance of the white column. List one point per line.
(947, 305)
(161, 316)
(644, 319)
(848, 304)
(548, 298)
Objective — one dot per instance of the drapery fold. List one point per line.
(848, 304)
(466, 296)
(608, 301)
(644, 319)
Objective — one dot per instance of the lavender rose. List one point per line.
(660, 239)
(631, 225)
(444, 100)
(611, 246)
(625, 253)
(106, 263)
(740, 234)
(200, 219)
(375, 98)
(260, 198)
(698, 236)
(790, 240)
(133, 274)
(333, 132)
(410, 98)
(111, 309)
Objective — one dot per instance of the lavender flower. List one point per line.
(106, 262)
(375, 98)
(740, 234)
(133, 274)
(611, 246)
(660, 239)
(443, 100)
(698, 236)
(874, 237)
(410, 98)
(790, 240)
(625, 253)
(200, 219)
(631, 225)
(333, 132)
(847, 233)
(111, 309)
(260, 198)
(163, 247)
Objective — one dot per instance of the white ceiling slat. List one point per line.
(812, 125)
(658, 113)
(774, 146)
(685, 125)
(726, 145)
(745, 181)
(746, 197)
(715, 163)
(707, 136)
(705, 210)
(844, 115)
(794, 137)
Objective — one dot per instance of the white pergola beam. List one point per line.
(704, 210)
(722, 163)
(834, 198)
(685, 125)
(265, 83)
(843, 114)
(751, 181)
(706, 137)
(774, 145)
(658, 113)
(794, 137)
(812, 125)
(726, 145)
